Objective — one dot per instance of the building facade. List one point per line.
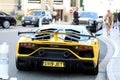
(62, 7)
(8, 6)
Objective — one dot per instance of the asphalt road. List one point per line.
(10, 36)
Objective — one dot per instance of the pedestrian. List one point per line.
(76, 16)
(108, 21)
(54, 15)
(119, 20)
(115, 18)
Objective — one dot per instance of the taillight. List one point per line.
(85, 51)
(84, 47)
(27, 45)
(26, 48)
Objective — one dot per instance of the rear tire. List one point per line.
(95, 70)
(36, 25)
(18, 66)
(23, 25)
(23, 67)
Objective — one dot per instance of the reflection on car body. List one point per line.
(7, 20)
(59, 47)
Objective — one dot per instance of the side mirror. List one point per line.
(92, 24)
(91, 29)
(98, 33)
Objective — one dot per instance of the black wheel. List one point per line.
(95, 70)
(23, 66)
(18, 66)
(36, 25)
(23, 25)
(6, 24)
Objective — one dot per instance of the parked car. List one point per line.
(7, 20)
(33, 18)
(59, 47)
(91, 19)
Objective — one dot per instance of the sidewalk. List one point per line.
(113, 66)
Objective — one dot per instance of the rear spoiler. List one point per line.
(29, 32)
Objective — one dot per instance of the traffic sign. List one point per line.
(71, 11)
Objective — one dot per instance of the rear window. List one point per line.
(92, 15)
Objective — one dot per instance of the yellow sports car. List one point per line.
(58, 47)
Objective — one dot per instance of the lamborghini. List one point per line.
(58, 47)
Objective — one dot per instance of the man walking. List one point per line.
(119, 21)
(115, 18)
(76, 16)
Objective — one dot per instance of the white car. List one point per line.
(92, 20)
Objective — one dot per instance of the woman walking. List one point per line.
(108, 21)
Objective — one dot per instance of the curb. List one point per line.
(109, 68)
(103, 65)
(110, 73)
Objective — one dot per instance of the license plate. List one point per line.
(27, 21)
(53, 64)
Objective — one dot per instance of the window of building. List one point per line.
(58, 2)
(34, 1)
(81, 3)
(73, 3)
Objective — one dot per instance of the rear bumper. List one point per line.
(69, 64)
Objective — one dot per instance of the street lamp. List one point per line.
(110, 1)
(19, 5)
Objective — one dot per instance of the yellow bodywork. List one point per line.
(55, 40)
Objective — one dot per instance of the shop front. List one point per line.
(59, 10)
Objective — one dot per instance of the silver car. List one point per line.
(92, 20)
(33, 18)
